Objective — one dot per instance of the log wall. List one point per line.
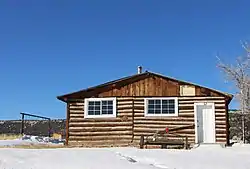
(148, 125)
(100, 131)
(130, 122)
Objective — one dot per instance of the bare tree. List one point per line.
(239, 74)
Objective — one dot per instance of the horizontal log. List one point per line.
(84, 134)
(100, 124)
(199, 101)
(220, 122)
(76, 111)
(223, 126)
(104, 138)
(76, 107)
(129, 114)
(100, 128)
(163, 119)
(190, 138)
(76, 119)
(220, 117)
(220, 114)
(186, 111)
(164, 122)
(221, 135)
(186, 115)
(138, 102)
(124, 110)
(186, 105)
(77, 104)
(139, 110)
(220, 110)
(190, 108)
(126, 106)
(76, 115)
(201, 98)
(156, 125)
(146, 129)
(140, 99)
(124, 98)
(138, 106)
(218, 132)
(124, 102)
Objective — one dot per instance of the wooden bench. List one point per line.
(166, 138)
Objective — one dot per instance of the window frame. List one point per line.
(146, 114)
(86, 106)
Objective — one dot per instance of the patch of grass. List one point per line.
(9, 136)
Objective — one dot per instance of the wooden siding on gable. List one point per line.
(153, 86)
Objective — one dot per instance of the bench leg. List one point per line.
(186, 143)
(142, 142)
(164, 146)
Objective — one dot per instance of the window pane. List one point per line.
(97, 102)
(97, 112)
(104, 112)
(91, 107)
(171, 111)
(90, 112)
(91, 103)
(104, 102)
(104, 107)
(157, 111)
(171, 106)
(164, 106)
(158, 106)
(165, 102)
(150, 111)
(110, 102)
(151, 106)
(110, 111)
(165, 111)
(171, 101)
(97, 107)
(110, 107)
(151, 102)
(157, 101)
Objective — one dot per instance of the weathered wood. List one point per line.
(199, 101)
(101, 124)
(67, 124)
(104, 138)
(100, 128)
(102, 133)
(136, 123)
(141, 142)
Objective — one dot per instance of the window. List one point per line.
(100, 107)
(161, 107)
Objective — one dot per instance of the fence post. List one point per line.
(22, 124)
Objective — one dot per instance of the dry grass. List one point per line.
(9, 136)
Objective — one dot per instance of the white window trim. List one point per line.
(165, 98)
(99, 99)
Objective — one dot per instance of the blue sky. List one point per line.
(49, 48)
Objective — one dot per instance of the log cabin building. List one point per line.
(118, 112)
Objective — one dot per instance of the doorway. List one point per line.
(204, 122)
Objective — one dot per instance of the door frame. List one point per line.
(195, 118)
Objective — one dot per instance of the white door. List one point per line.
(204, 123)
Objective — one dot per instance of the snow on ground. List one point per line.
(27, 140)
(202, 157)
